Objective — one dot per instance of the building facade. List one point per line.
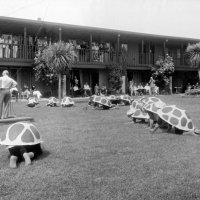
(97, 49)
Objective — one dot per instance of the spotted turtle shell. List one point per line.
(176, 117)
(151, 99)
(52, 101)
(102, 101)
(112, 97)
(154, 107)
(67, 101)
(136, 104)
(31, 102)
(139, 114)
(125, 98)
(21, 133)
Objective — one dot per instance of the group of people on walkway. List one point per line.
(86, 89)
(137, 90)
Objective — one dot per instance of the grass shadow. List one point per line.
(45, 153)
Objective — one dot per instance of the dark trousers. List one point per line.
(18, 151)
(4, 102)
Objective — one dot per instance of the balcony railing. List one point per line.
(11, 52)
(94, 56)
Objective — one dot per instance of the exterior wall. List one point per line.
(178, 80)
(132, 53)
(103, 77)
(86, 77)
(26, 78)
(158, 51)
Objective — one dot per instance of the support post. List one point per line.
(25, 43)
(118, 47)
(170, 84)
(90, 48)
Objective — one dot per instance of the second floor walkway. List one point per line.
(22, 53)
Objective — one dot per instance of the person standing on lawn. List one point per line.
(6, 83)
(96, 89)
(152, 86)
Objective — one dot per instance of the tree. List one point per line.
(162, 71)
(55, 60)
(192, 54)
(114, 78)
(42, 72)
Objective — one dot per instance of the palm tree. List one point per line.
(59, 58)
(193, 56)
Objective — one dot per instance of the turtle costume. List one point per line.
(67, 102)
(23, 141)
(152, 108)
(175, 117)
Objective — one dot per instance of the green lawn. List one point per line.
(99, 155)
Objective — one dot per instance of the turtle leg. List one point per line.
(151, 122)
(148, 124)
(169, 128)
(13, 161)
(155, 128)
(27, 157)
(178, 131)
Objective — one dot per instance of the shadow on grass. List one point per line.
(44, 154)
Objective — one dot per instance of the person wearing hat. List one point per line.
(6, 83)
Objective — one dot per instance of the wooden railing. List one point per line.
(13, 52)
(87, 56)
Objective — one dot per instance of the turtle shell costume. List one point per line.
(23, 141)
(52, 102)
(102, 102)
(67, 102)
(177, 118)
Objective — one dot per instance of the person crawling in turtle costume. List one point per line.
(101, 103)
(23, 142)
(155, 121)
(175, 118)
(159, 123)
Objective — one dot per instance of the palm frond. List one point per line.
(59, 56)
(192, 54)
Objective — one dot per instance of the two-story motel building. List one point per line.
(97, 49)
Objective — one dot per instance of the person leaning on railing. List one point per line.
(6, 83)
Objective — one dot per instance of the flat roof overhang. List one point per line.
(69, 31)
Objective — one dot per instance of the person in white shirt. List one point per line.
(6, 83)
(135, 88)
(87, 89)
(140, 89)
(147, 88)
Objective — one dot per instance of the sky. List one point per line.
(179, 18)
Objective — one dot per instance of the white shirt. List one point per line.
(86, 87)
(147, 87)
(37, 94)
(7, 83)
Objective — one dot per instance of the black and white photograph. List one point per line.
(100, 99)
